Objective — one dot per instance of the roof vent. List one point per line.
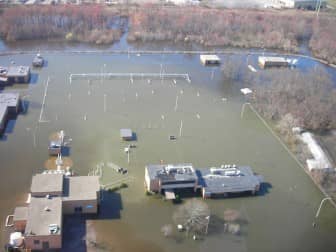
(47, 209)
(53, 228)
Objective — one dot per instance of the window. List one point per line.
(45, 245)
(78, 209)
(36, 242)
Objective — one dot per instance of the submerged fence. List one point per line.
(99, 76)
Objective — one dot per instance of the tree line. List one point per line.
(283, 30)
(92, 23)
(309, 97)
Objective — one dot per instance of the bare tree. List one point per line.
(193, 216)
(309, 97)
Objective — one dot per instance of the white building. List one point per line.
(302, 4)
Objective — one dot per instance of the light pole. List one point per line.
(321, 204)
(318, 8)
(243, 109)
(247, 59)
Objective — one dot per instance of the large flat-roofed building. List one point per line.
(11, 101)
(159, 178)
(52, 196)
(81, 194)
(18, 74)
(265, 62)
(220, 181)
(214, 181)
(9, 106)
(47, 184)
(44, 224)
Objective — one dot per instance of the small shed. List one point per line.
(55, 147)
(18, 74)
(126, 134)
(210, 59)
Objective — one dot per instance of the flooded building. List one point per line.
(18, 74)
(213, 182)
(9, 106)
(210, 60)
(55, 147)
(52, 196)
(126, 134)
(81, 194)
(159, 178)
(265, 62)
(44, 224)
(220, 181)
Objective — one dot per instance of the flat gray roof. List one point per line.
(20, 213)
(219, 180)
(47, 183)
(9, 99)
(126, 133)
(272, 59)
(81, 188)
(18, 71)
(43, 212)
(209, 57)
(178, 172)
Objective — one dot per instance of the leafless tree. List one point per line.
(309, 97)
(193, 216)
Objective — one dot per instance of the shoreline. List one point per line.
(149, 52)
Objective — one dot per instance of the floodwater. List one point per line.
(213, 133)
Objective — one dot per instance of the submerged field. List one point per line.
(213, 133)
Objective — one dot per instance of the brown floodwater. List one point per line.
(93, 112)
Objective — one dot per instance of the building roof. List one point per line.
(43, 215)
(264, 59)
(178, 172)
(126, 133)
(9, 99)
(227, 179)
(18, 71)
(211, 57)
(20, 213)
(47, 183)
(308, 1)
(81, 188)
